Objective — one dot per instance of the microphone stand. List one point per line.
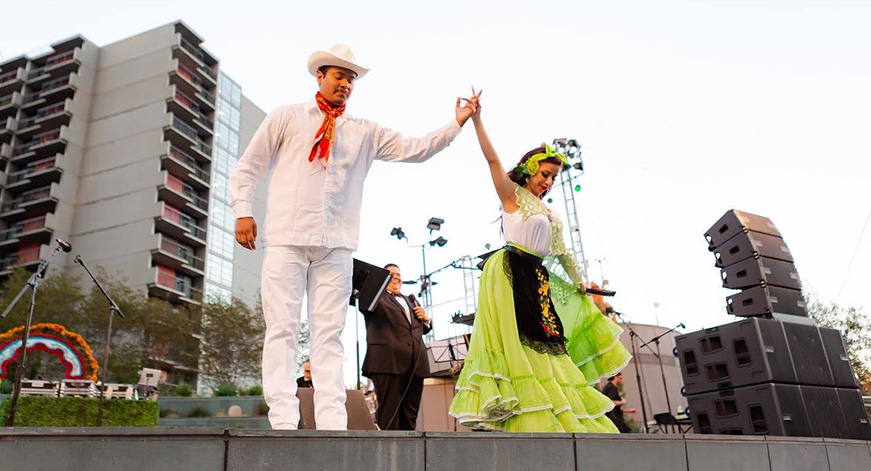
(661, 367)
(632, 336)
(32, 284)
(113, 309)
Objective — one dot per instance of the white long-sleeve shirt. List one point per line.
(307, 204)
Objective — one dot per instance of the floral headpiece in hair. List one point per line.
(532, 164)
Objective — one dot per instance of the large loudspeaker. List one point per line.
(760, 271)
(766, 300)
(735, 222)
(781, 409)
(751, 244)
(758, 350)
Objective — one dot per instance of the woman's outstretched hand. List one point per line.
(465, 110)
(475, 100)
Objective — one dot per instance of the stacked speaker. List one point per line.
(752, 257)
(774, 373)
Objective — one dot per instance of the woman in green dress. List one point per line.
(538, 342)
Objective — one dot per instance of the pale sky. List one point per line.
(685, 109)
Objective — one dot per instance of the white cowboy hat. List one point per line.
(339, 55)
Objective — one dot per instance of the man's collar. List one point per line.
(311, 106)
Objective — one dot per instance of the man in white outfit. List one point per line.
(315, 158)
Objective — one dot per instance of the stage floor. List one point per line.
(214, 449)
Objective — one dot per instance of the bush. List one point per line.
(183, 389)
(262, 408)
(6, 386)
(199, 412)
(255, 390)
(80, 412)
(225, 390)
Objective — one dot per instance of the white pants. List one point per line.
(324, 275)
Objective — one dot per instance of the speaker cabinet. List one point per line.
(766, 300)
(781, 410)
(755, 350)
(749, 244)
(760, 271)
(734, 222)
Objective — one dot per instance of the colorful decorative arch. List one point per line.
(70, 348)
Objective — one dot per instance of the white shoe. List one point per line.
(284, 426)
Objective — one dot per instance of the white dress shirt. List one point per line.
(307, 204)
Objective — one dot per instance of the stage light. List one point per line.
(435, 224)
(440, 241)
(397, 231)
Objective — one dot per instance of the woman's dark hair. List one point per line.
(517, 175)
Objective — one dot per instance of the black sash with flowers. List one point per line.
(537, 322)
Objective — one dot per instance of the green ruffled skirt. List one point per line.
(507, 386)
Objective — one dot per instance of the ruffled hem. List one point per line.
(529, 404)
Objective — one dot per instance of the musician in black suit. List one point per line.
(396, 358)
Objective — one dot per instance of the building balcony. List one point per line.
(51, 92)
(56, 66)
(185, 137)
(5, 151)
(7, 129)
(190, 83)
(180, 226)
(183, 196)
(35, 174)
(11, 80)
(40, 146)
(176, 289)
(46, 119)
(9, 105)
(27, 232)
(189, 109)
(186, 168)
(27, 258)
(29, 204)
(180, 257)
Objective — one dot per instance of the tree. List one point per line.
(232, 342)
(855, 326)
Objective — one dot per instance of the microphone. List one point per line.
(682, 326)
(413, 300)
(65, 246)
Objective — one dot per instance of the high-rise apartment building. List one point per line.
(124, 150)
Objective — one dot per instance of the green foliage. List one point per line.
(262, 408)
(6, 386)
(855, 326)
(184, 389)
(256, 390)
(232, 345)
(79, 412)
(153, 332)
(199, 412)
(226, 390)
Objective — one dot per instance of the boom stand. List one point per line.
(113, 309)
(632, 336)
(32, 284)
(659, 357)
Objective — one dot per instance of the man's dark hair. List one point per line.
(610, 378)
(390, 265)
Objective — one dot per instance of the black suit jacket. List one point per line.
(392, 342)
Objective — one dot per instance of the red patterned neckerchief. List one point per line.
(325, 135)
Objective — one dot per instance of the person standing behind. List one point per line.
(305, 381)
(315, 158)
(396, 359)
(616, 414)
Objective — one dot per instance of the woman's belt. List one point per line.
(527, 254)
